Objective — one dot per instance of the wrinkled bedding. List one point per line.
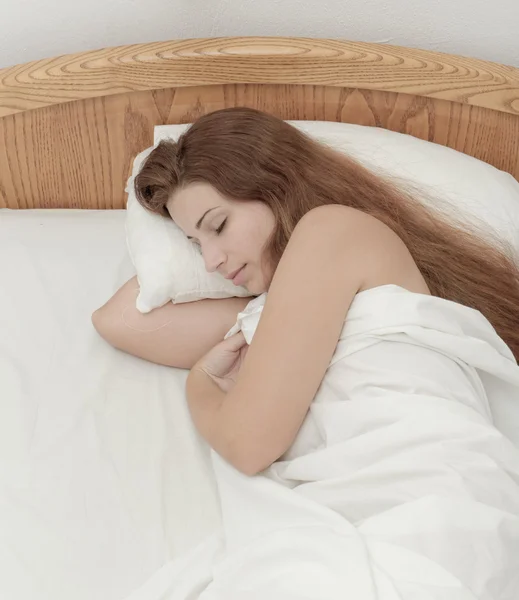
(103, 478)
(398, 485)
(107, 492)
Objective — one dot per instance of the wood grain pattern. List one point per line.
(70, 126)
(217, 61)
(78, 154)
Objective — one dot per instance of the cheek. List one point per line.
(252, 232)
(256, 243)
(246, 241)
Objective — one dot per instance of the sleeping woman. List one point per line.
(375, 311)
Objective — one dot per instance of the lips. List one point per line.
(236, 276)
(233, 274)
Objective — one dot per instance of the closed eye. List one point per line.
(221, 228)
(218, 232)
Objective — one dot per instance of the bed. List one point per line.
(103, 477)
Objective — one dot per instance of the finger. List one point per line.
(235, 342)
(243, 352)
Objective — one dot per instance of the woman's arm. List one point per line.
(175, 335)
(333, 253)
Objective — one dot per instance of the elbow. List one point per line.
(252, 461)
(99, 322)
(248, 468)
(104, 323)
(249, 444)
(96, 319)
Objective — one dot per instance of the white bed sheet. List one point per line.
(102, 476)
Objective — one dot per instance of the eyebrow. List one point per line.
(199, 223)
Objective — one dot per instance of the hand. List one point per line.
(224, 361)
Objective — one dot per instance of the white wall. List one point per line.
(32, 29)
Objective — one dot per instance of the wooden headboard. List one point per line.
(71, 125)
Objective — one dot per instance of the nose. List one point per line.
(213, 256)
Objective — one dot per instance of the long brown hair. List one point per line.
(247, 154)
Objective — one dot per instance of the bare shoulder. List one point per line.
(344, 219)
(384, 257)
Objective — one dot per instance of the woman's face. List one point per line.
(231, 234)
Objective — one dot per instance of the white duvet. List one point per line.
(398, 485)
(106, 488)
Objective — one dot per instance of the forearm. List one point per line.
(229, 431)
(205, 401)
(175, 335)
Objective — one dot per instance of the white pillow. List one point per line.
(168, 265)
(464, 186)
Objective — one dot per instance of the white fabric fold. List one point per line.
(398, 485)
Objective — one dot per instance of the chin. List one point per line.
(259, 284)
(252, 288)
(256, 289)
